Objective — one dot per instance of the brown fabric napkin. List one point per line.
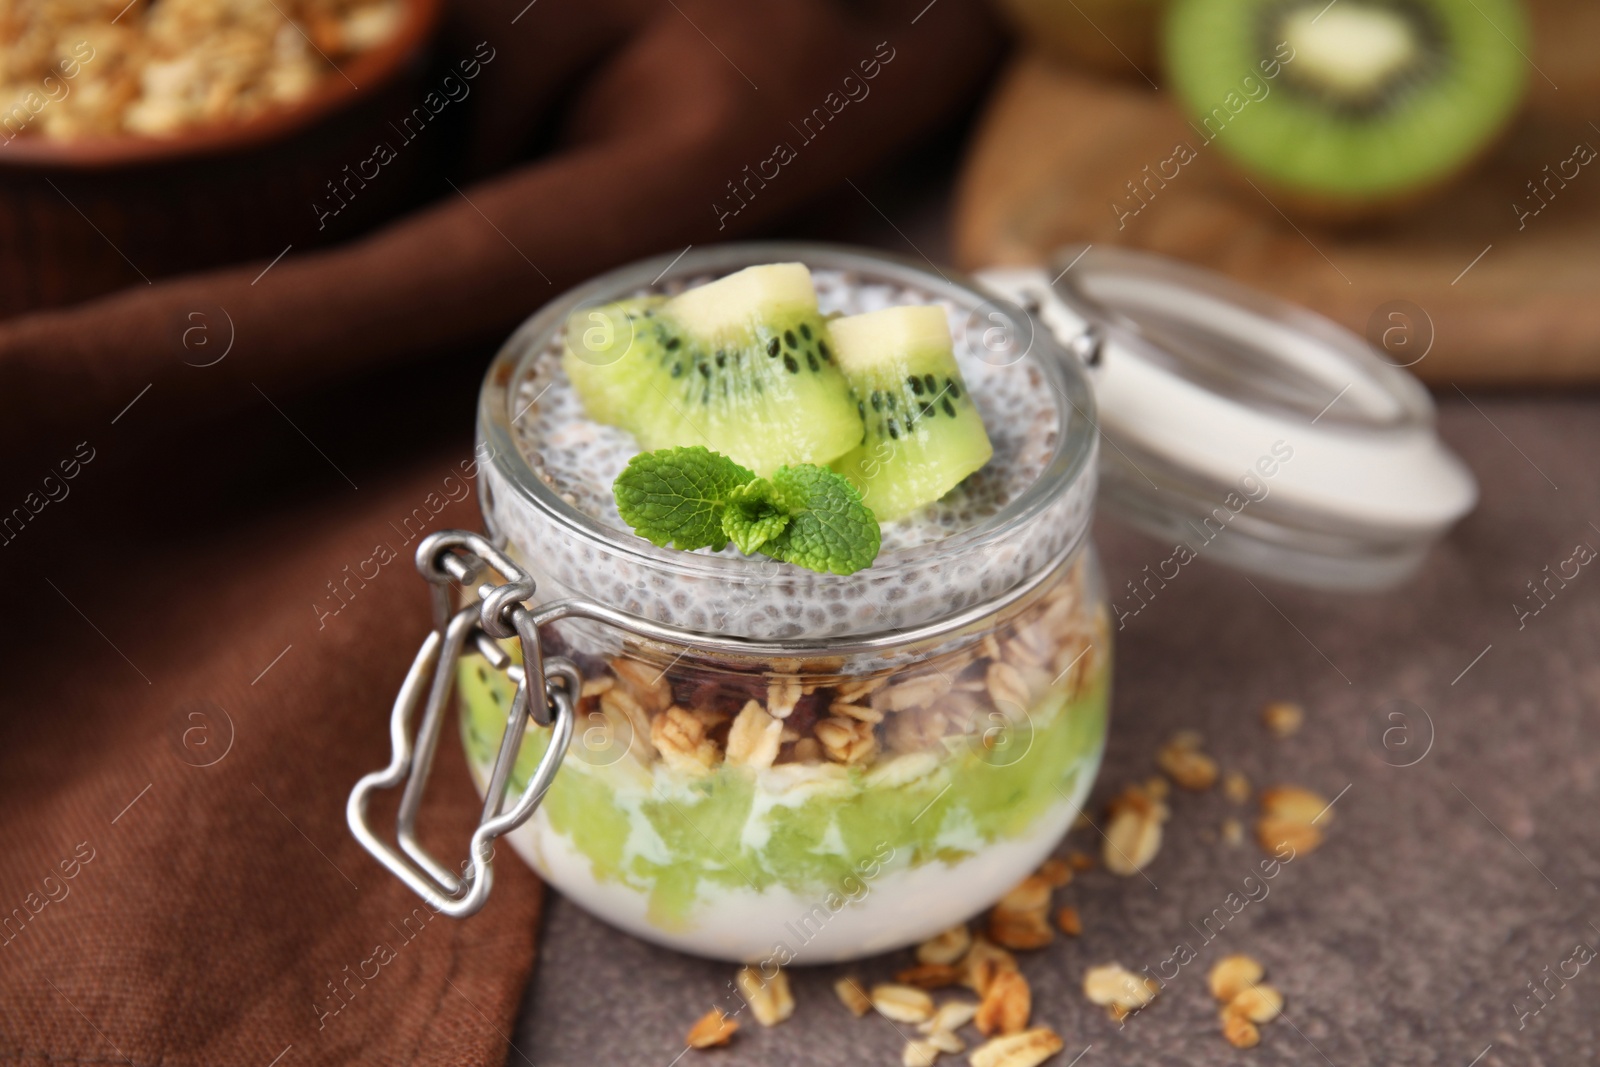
(204, 649)
(673, 115)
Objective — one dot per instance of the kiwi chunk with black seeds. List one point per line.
(762, 393)
(921, 439)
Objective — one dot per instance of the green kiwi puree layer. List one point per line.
(674, 837)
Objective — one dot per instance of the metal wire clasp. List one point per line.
(446, 559)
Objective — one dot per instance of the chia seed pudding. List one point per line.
(580, 458)
(920, 573)
(925, 728)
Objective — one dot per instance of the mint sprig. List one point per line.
(696, 498)
(754, 515)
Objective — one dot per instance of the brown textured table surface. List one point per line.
(1443, 889)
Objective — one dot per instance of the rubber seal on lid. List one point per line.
(1249, 429)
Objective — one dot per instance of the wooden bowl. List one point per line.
(85, 216)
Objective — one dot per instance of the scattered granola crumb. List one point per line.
(1027, 1049)
(1258, 1003)
(950, 1016)
(1236, 787)
(1294, 802)
(1273, 833)
(713, 1028)
(1236, 982)
(1232, 832)
(769, 998)
(1133, 831)
(852, 996)
(1055, 871)
(1232, 974)
(920, 1053)
(1020, 931)
(1186, 739)
(1080, 861)
(982, 962)
(1030, 894)
(1240, 1032)
(1282, 718)
(946, 947)
(1069, 921)
(1113, 985)
(1020, 920)
(930, 975)
(1006, 1005)
(902, 1003)
(1185, 764)
(1289, 815)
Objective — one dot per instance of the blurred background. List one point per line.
(255, 256)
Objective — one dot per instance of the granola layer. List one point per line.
(685, 778)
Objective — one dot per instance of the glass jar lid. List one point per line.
(1251, 430)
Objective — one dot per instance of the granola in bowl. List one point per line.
(97, 68)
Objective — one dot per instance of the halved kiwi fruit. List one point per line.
(922, 433)
(1348, 104)
(741, 365)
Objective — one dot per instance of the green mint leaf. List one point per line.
(675, 496)
(753, 515)
(829, 528)
(695, 498)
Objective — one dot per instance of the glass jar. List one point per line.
(838, 764)
(763, 762)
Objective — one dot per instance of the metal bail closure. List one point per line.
(445, 559)
(1242, 428)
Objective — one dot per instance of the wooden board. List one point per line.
(1493, 298)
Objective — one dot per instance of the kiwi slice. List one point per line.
(922, 433)
(742, 365)
(1353, 102)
